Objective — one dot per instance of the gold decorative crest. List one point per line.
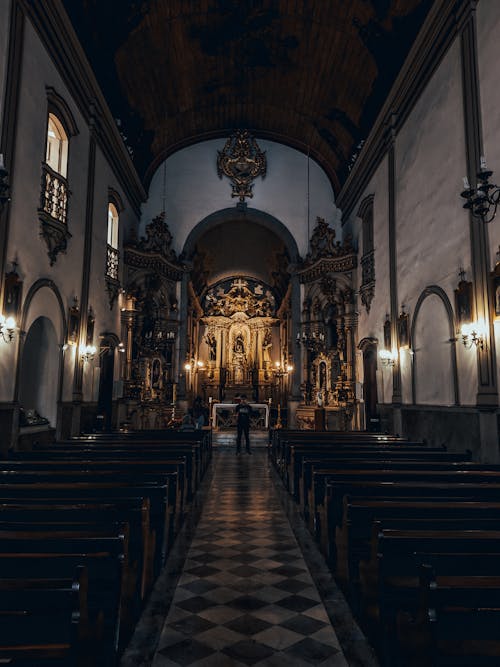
(241, 160)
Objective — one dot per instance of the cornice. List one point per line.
(434, 39)
(138, 259)
(326, 265)
(57, 34)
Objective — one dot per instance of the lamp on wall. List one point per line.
(7, 328)
(4, 183)
(473, 333)
(387, 357)
(87, 352)
(281, 369)
(483, 200)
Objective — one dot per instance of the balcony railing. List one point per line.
(112, 257)
(54, 195)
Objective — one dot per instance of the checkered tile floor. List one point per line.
(245, 596)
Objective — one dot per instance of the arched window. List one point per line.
(112, 246)
(112, 226)
(57, 146)
(112, 255)
(54, 195)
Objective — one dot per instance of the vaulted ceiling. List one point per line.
(310, 73)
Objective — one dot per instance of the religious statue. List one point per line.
(212, 346)
(267, 344)
(239, 345)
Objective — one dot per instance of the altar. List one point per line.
(224, 416)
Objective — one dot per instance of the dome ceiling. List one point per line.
(310, 73)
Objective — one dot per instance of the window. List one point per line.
(112, 246)
(54, 195)
(57, 146)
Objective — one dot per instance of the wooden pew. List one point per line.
(392, 585)
(44, 620)
(54, 555)
(353, 537)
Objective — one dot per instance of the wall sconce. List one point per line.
(473, 333)
(4, 183)
(387, 357)
(187, 366)
(121, 347)
(281, 370)
(7, 328)
(483, 201)
(87, 352)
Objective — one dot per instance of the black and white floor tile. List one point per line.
(245, 595)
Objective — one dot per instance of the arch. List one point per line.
(252, 215)
(435, 290)
(115, 198)
(369, 348)
(108, 343)
(58, 106)
(33, 290)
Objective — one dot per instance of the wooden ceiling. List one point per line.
(310, 73)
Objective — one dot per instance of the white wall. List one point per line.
(5, 7)
(194, 191)
(488, 26)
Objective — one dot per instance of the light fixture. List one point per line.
(473, 333)
(4, 183)
(87, 352)
(482, 200)
(121, 347)
(388, 357)
(281, 369)
(187, 366)
(7, 328)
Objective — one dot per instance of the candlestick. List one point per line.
(174, 393)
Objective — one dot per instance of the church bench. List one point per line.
(463, 619)
(353, 537)
(78, 491)
(135, 512)
(170, 514)
(79, 464)
(292, 466)
(386, 461)
(145, 457)
(282, 438)
(55, 554)
(390, 584)
(44, 620)
(329, 514)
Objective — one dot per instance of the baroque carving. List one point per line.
(241, 160)
(158, 238)
(240, 295)
(55, 234)
(367, 289)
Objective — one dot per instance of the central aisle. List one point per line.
(245, 596)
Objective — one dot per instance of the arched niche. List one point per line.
(434, 353)
(38, 388)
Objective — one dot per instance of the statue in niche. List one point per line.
(212, 346)
(267, 344)
(322, 375)
(239, 345)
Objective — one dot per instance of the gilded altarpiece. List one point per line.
(150, 322)
(327, 334)
(239, 338)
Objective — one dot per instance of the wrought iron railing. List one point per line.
(112, 257)
(54, 194)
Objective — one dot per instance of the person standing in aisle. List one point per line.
(243, 412)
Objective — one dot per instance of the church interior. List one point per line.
(290, 203)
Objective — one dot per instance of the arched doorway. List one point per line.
(106, 383)
(242, 306)
(39, 366)
(372, 418)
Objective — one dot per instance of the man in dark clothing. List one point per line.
(243, 412)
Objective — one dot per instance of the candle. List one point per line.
(483, 163)
(466, 183)
(174, 393)
(2, 164)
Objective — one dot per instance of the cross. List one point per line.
(240, 283)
